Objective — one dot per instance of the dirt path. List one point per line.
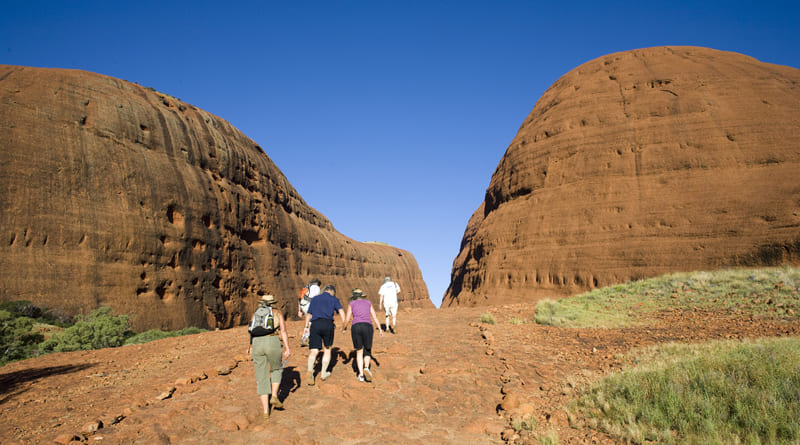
(443, 378)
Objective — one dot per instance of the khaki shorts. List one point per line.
(390, 310)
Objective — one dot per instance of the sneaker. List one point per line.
(276, 403)
(361, 378)
(310, 378)
(325, 375)
(367, 375)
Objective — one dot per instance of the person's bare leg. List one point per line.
(312, 358)
(326, 360)
(360, 361)
(265, 403)
(276, 403)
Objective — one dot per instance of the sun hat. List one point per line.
(358, 293)
(267, 298)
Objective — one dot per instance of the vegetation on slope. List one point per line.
(715, 393)
(29, 331)
(770, 292)
(712, 393)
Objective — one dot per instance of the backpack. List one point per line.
(304, 292)
(263, 322)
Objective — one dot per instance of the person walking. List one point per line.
(308, 292)
(361, 312)
(267, 332)
(320, 327)
(388, 292)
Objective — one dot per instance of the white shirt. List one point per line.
(389, 291)
(313, 291)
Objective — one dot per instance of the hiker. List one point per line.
(320, 327)
(361, 312)
(308, 292)
(267, 332)
(388, 292)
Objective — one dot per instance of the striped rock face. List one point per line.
(115, 194)
(637, 164)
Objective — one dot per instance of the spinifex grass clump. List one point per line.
(771, 292)
(716, 393)
(488, 318)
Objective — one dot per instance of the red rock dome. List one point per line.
(637, 164)
(115, 194)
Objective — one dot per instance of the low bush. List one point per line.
(17, 338)
(488, 318)
(99, 329)
(25, 328)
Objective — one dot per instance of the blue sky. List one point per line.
(389, 117)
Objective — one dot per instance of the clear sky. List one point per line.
(389, 117)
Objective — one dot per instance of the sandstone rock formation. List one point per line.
(115, 194)
(637, 164)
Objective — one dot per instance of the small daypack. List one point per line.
(263, 322)
(304, 294)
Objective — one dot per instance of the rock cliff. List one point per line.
(115, 194)
(637, 164)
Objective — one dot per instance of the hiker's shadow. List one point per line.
(290, 382)
(351, 359)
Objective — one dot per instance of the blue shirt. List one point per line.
(324, 305)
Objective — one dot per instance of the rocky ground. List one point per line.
(444, 377)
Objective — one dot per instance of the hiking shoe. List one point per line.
(276, 403)
(367, 375)
(310, 377)
(325, 375)
(361, 378)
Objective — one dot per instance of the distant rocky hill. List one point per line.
(115, 194)
(637, 164)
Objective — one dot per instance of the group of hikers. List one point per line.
(317, 307)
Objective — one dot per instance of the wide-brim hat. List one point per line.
(267, 298)
(358, 293)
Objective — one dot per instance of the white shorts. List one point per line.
(390, 310)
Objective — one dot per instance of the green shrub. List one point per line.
(97, 330)
(17, 338)
(716, 393)
(24, 308)
(488, 318)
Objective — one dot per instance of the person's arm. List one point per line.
(380, 303)
(307, 326)
(341, 314)
(375, 319)
(347, 317)
(299, 311)
(284, 337)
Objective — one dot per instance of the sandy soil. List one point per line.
(444, 377)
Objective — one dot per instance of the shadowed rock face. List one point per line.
(114, 194)
(637, 164)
